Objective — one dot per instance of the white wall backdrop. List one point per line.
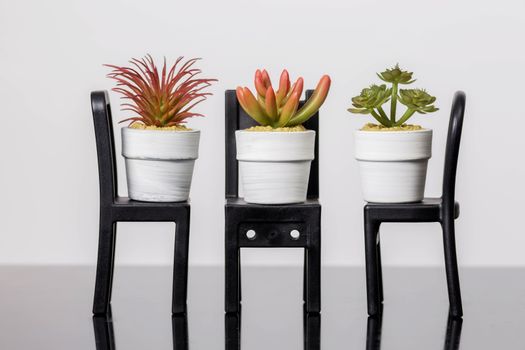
(51, 56)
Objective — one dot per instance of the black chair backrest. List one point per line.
(107, 166)
(236, 119)
(452, 151)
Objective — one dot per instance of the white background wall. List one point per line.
(51, 56)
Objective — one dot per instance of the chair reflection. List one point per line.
(311, 331)
(375, 323)
(105, 337)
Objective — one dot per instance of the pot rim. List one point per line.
(153, 131)
(275, 132)
(394, 132)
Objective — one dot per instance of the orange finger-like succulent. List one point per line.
(281, 108)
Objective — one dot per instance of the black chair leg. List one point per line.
(451, 267)
(180, 264)
(305, 264)
(105, 266)
(379, 268)
(232, 270)
(372, 267)
(240, 275)
(313, 280)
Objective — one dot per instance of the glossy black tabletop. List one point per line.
(50, 308)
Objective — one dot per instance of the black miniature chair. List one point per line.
(374, 326)
(311, 331)
(443, 210)
(105, 336)
(114, 209)
(273, 224)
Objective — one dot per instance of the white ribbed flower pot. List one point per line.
(275, 166)
(159, 163)
(393, 164)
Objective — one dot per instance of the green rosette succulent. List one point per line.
(371, 99)
(417, 99)
(396, 76)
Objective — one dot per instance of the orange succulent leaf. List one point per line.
(314, 102)
(251, 106)
(259, 84)
(284, 86)
(266, 79)
(271, 104)
(289, 109)
(297, 86)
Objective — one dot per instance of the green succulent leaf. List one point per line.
(372, 97)
(418, 100)
(358, 111)
(396, 76)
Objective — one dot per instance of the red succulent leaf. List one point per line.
(161, 98)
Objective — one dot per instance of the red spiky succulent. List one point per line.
(163, 98)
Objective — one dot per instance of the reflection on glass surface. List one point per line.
(375, 323)
(311, 331)
(453, 335)
(105, 336)
(373, 332)
(40, 303)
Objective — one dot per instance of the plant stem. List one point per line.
(404, 118)
(380, 119)
(382, 112)
(393, 104)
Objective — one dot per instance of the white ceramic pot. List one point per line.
(393, 164)
(275, 166)
(159, 163)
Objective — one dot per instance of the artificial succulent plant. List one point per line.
(371, 99)
(160, 98)
(281, 108)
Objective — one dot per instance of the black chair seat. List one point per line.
(428, 210)
(126, 209)
(128, 202)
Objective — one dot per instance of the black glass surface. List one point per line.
(50, 308)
